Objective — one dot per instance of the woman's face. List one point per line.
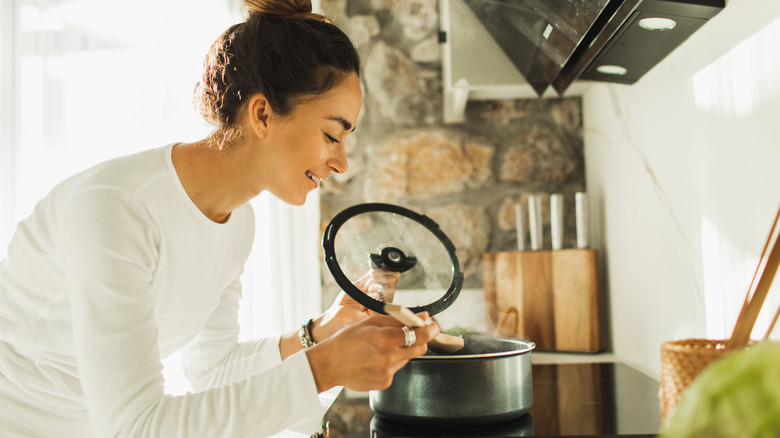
(308, 144)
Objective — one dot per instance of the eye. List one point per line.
(331, 139)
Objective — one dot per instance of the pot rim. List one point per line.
(528, 347)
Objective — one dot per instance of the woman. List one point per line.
(140, 257)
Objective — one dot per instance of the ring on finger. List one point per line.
(378, 288)
(378, 296)
(409, 336)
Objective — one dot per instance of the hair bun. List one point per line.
(296, 9)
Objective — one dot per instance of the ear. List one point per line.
(258, 113)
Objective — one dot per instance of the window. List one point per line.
(88, 80)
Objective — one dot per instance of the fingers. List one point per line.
(415, 340)
(380, 284)
(379, 292)
(396, 335)
(381, 276)
(385, 277)
(361, 282)
(366, 355)
(410, 337)
(407, 343)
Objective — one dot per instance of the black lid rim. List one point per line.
(328, 239)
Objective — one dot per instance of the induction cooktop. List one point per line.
(587, 399)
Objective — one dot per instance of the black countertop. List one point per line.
(590, 399)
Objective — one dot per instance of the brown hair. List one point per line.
(283, 51)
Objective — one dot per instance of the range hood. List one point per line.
(507, 49)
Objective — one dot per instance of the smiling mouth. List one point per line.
(314, 177)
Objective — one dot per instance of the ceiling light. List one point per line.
(657, 23)
(614, 70)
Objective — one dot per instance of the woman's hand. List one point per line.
(366, 355)
(345, 311)
(379, 284)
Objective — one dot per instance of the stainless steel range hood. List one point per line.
(520, 48)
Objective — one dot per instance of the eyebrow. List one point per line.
(347, 126)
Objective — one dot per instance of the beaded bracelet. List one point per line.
(304, 332)
(310, 330)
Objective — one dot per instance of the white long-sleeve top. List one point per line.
(115, 269)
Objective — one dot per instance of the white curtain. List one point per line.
(285, 274)
(83, 81)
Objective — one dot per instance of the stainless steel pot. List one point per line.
(488, 381)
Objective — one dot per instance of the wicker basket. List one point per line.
(681, 362)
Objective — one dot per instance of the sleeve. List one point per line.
(216, 358)
(109, 255)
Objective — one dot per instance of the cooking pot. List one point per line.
(487, 381)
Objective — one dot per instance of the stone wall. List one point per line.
(466, 177)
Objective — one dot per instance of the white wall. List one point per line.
(683, 168)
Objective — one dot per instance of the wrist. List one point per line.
(319, 330)
(321, 369)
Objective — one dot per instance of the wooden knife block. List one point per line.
(555, 294)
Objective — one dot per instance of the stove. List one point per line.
(589, 399)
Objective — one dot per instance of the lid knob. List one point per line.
(392, 259)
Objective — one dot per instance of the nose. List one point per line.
(338, 163)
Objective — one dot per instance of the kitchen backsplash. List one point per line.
(466, 177)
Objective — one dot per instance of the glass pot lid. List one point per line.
(366, 239)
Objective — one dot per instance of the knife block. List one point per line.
(555, 295)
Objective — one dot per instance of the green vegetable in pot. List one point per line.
(737, 396)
